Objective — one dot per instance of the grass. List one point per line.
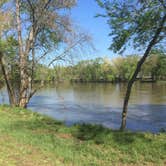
(31, 139)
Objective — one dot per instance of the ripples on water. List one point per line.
(102, 104)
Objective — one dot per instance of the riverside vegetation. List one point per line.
(28, 138)
(35, 40)
(30, 32)
(118, 69)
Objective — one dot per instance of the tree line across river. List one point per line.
(118, 69)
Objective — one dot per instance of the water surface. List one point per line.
(102, 104)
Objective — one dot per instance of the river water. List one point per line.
(101, 103)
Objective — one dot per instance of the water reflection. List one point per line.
(102, 104)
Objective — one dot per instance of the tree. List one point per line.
(124, 66)
(159, 68)
(150, 67)
(40, 27)
(6, 47)
(141, 24)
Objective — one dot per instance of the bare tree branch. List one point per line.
(82, 39)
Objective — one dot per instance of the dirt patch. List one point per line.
(64, 136)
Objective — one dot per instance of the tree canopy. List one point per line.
(140, 24)
(38, 27)
(134, 23)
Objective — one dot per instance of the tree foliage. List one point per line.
(118, 69)
(39, 28)
(141, 24)
(133, 23)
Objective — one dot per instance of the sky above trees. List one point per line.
(84, 14)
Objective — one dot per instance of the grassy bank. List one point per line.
(30, 139)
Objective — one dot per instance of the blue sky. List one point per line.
(84, 15)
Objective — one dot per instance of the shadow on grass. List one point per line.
(100, 134)
(85, 132)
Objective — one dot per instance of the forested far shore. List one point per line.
(114, 70)
(118, 69)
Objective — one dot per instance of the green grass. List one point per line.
(30, 139)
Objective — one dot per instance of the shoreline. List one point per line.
(41, 140)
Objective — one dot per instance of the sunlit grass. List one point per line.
(27, 137)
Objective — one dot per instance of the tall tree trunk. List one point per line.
(23, 61)
(138, 68)
(12, 99)
(24, 81)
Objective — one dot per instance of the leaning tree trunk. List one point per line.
(138, 68)
(10, 91)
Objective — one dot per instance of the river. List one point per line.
(101, 103)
